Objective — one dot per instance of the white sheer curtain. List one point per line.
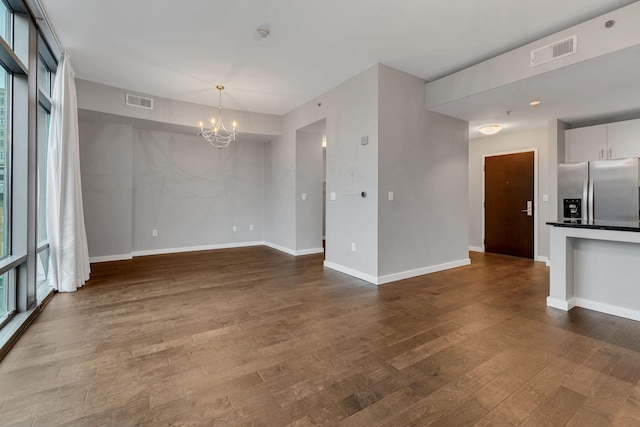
(69, 254)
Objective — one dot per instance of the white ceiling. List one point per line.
(181, 50)
(598, 89)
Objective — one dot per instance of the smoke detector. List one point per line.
(263, 32)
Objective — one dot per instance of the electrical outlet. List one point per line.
(353, 246)
(390, 195)
(251, 227)
(235, 228)
(154, 233)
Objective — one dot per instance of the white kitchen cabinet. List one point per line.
(607, 141)
(623, 139)
(585, 144)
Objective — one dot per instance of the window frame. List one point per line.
(28, 41)
(44, 100)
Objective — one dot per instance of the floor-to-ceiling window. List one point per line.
(5, 154)
(6, 289)
(27, 66)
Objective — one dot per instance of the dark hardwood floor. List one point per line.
(252, 336)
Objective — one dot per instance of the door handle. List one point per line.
(529, 209)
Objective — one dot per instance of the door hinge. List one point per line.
(484, 241)
(484, 204)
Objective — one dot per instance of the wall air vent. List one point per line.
(139, 101)
(554, 51)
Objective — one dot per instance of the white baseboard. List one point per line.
(627, 313)
(110, 258)
(476, 249)
(309, 251)
(560, 304)
(544, 259)
(292, 251)
(422, 271)
(280, 248)
(380, 280)
(163, 251)
(351, 272)
(195, 248)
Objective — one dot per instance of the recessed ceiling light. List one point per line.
(490, 129)
(535, 103)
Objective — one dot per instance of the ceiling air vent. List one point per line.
(139, 101)
(554, 51)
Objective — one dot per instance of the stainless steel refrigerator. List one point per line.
(599, 190)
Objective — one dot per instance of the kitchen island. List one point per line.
(595, 265)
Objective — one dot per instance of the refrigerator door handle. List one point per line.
(585, 202)
(590, 201)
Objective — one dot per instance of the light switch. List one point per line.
(390, 195)
(332, 196)
(235, 228)
(304, 196)
(545, 197)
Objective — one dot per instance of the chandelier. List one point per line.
(218, 135)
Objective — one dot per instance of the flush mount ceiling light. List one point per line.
(218, 135)
(535, 103)
(490, 129)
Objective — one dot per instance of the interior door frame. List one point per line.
(536, 255)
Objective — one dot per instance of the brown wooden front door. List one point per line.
(509, 187)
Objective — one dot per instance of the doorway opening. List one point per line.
(310, 188)
(510, 203)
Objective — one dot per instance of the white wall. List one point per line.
(193, 194)
(502, 143)
(279, 193)
(309, 169)
(138, 180)
(423, 157)
(106, 163)
(351, 112)
(423, 160)
(556, 132)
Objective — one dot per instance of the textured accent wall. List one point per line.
(139, 180)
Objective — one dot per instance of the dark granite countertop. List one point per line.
(599, 225)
